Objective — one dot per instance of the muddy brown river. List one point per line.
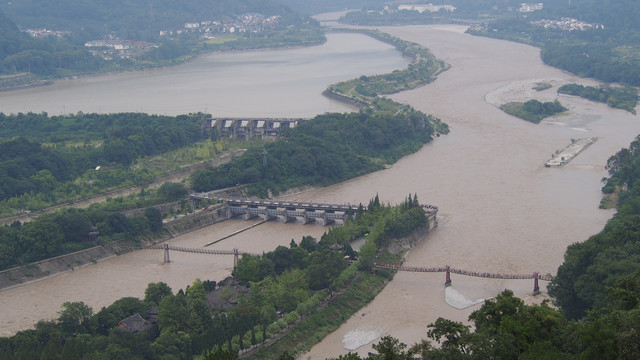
(501, 210)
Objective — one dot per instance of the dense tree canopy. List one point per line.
(324, 150)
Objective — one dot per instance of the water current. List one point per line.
(501, 210)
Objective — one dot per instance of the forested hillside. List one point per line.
(74, 145)
(133, 19)
(59, 31)
(608, 51)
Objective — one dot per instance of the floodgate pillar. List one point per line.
(447, 281)
(536, 288)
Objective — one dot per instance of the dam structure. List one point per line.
(247, 128)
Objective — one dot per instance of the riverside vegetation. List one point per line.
(625, 98)
(293, 281)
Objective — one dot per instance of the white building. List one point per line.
(530, 7)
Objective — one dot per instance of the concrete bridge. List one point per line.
(291, 211)
(250, 127)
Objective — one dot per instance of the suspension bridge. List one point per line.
(448, 270)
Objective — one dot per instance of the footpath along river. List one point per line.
(501, 210)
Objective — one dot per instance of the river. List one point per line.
(283, 83)
(501, 210)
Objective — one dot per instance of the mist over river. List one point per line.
(501, 210)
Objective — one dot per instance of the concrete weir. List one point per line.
(291, 211)
(570, 152)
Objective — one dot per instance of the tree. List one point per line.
(196, 290)
(453, 336)
(154, 217)
(74, 317)
(155, 292)
(324, 266)
(171, 191)
(389, 348)
(248, 269)
(308, 243)
(220, 354)
(172, 314)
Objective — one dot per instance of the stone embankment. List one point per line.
(570, 152)
(65, 263)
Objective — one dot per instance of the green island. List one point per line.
(625, 98)
(423, 69)
(533, 110)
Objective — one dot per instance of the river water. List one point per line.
(242, 84)
(501, 210)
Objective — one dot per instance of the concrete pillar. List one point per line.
(235, 257)
(447, 281)
(328, 221)
(166, 253)
(247, 215)
(536, 288)
(288, 218)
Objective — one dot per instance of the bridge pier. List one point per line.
(248, 216)
(235, 257)
(536, 288)
(447, 281)
(166, 254)
(288, 218)
(328, 221)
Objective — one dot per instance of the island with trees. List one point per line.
(533, 110)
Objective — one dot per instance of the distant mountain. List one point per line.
(131, 19)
